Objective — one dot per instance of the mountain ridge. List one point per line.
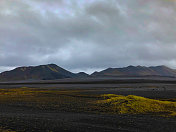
(53, 72)
(137, 71)
(41, 72)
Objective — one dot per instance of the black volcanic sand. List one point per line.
(43, 121)
(71, 116)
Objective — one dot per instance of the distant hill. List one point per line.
(42, 72)
(53, 72)
(137, 71)
(82, 74)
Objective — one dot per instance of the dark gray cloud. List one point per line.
(87, 35)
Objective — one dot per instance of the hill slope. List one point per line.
(137, 71)
(52, 72)
(42, 72)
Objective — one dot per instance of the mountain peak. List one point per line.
(82, 74)
(54, 65)
(52, 71)
(160, 66)
(163, 66)
(139, 66)
(137, 71)
(41, 72)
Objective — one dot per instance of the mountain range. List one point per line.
(52, 72)
(137, 71)
(41, 72)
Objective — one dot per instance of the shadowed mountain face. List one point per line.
(137, 71)
(42, 72)
(82, 74)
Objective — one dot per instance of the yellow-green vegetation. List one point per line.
(78, 101)
(135, 105)
(23, 69)
(5, 130)
(52, 99)
(52, 69)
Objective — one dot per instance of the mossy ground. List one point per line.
(73, 100)
(46, 99)
(132, 104)
(78, 100)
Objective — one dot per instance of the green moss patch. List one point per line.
(132, 104)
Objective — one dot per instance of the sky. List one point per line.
(87, 35)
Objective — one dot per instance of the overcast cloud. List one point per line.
(87, 35)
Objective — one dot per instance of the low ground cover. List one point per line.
(132, 104)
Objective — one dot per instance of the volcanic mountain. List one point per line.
(42, 72)
(137, 71)
(52, 72)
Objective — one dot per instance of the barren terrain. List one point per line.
(72, 106)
